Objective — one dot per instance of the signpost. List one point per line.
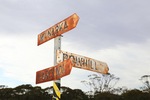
(58, 29)
(55, 32)
(63, 61)
(55, 72)
(83, 62)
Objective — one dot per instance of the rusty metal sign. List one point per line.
(55, 72)
(58, 29)
(83, 62)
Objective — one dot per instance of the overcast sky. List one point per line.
(113, 31)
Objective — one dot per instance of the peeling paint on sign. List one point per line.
(83, 62)
(55, 72)
(58, 29)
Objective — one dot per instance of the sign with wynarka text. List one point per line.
(58, 29)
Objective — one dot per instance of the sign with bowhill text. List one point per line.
(83, 62)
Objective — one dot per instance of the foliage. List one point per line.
(28, 92)
(101, 82)
(75, 94)
(135, 95)
(23, 92)
(104, 90)
(145, 79)
(119, 90)
(106, 96)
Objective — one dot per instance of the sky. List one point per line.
(113, 31)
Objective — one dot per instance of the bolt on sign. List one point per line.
(58, 29)
(55, 72)
(83, 62)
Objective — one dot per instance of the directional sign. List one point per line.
(58, 29)
(55, 72)
(83, 62)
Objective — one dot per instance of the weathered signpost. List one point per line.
(55, 32)
(64, 61)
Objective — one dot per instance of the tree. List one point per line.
(70, 94)
(101, 83)
(135, 95)
(119, 90)
(6, 94)
(107, 96)
(145, 79)
(22, 89)
(3, 86)
(23, 92)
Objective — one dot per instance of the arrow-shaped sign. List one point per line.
(58, 29)
(55, 72)
(83, 62)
